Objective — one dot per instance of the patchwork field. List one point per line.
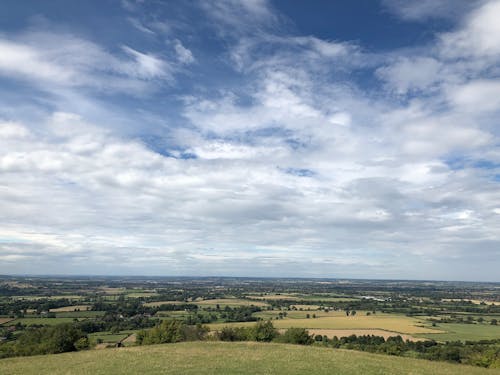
(394, 323)
(229, 358)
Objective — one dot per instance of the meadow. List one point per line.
(229, 358)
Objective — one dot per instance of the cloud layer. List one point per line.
(130, 160)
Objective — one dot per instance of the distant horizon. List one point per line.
(240, 277)
(349, 138)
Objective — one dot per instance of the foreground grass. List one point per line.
(228, 358)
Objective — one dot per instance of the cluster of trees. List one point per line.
(170, 331)
(485, 353)
(47, 340)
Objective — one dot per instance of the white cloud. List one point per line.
(477, 96)
(53, 61)
(478, 37)
(293, 170)
(421, 10)
(184, 55)
(411, 74)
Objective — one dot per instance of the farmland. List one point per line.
(386, 322)
(228, 358)
(108, 312)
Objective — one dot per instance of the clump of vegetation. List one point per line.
(170, 331)
(47, 340)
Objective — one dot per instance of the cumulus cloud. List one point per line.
(295, 169)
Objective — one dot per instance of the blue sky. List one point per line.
(256, 138)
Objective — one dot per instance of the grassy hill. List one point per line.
(228, 358)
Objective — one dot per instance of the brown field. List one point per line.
(72, 308)
(330, 333)
(5, 320)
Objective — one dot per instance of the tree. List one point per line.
(298, 336)
(494, 322)
(264, 331)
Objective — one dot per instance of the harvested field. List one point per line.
(393, 323)
(5, 320)
(330, 333)
(72, 308)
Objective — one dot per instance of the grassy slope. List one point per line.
(228, 358)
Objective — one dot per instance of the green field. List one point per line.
(229, 358)
(80, 314)
(463, 332)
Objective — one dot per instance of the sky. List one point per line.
(336, 139)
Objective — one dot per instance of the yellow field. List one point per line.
(394, 323)
(72, 308)
(330, 333)
(474, 301)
